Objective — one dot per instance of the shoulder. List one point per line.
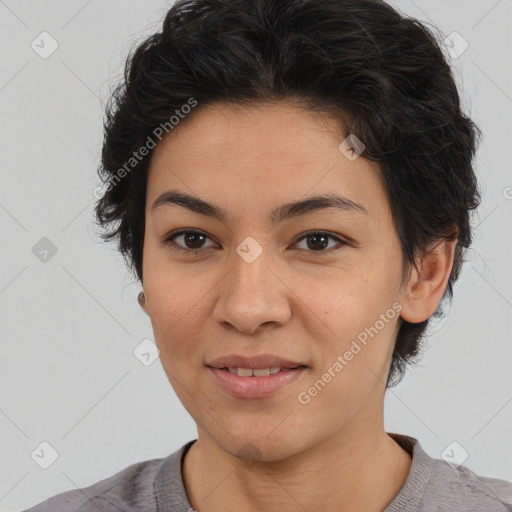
(130, 489)
(463, 489)
(436, 485)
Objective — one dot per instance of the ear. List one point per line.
(426, 286)
(142, 302)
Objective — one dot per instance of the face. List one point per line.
(306, 285)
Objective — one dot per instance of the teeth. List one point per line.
(248, 372)
(261, 372)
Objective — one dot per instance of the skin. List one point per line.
(296, 300)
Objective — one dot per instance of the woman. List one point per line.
(291, 181)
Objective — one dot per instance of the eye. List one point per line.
(194, 240)
(189, 237)
(320, 241)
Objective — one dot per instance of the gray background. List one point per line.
(68, 375)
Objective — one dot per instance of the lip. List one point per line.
(255, 387)
(255, 362)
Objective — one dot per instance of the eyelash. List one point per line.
(169, 241)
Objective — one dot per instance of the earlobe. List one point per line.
(426, 286)
(142, 302)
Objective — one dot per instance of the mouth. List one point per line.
(258, 372)
(255, 383)
(255, 363)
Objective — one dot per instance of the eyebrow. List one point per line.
(285, 211)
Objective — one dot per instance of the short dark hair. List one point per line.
(382, 76)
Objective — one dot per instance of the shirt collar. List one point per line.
(171, 495)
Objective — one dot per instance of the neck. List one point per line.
(365, 473)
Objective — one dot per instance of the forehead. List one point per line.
(268, 153)
(227, 128)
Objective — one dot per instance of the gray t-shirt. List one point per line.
(157, 486)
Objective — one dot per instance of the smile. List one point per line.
(255, 383)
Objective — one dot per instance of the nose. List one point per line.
(253, 295)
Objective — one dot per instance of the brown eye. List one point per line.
(192, 241)
(318, 241)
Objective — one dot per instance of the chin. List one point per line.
(259, 449)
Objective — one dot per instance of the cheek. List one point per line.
(174, 309)
(349, 298)
(171, 289)
(350, 370)
(359, 313)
